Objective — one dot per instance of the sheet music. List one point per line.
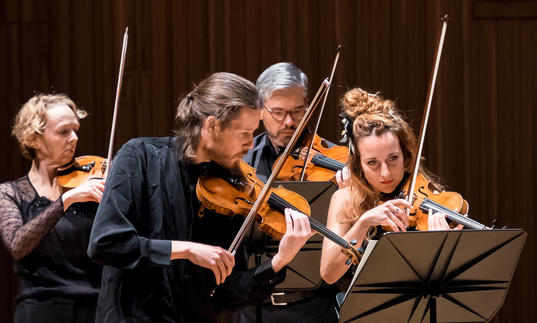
(370, 246)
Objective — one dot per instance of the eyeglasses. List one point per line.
(280, 114)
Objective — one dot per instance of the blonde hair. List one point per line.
(31, 119)
(371, 114)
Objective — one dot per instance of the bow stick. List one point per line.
(116, 102)
(425, 119)
(320, 113)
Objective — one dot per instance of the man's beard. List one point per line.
(217, 155)
(283, 140)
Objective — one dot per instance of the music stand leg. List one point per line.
(432, 309)
(258, 307)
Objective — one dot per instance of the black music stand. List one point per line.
(434, 276)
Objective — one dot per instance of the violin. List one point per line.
(232, 196)
(426, 198)
(322, 164)
(326, 160)
(81, 170)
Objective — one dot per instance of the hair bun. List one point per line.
(357, 102)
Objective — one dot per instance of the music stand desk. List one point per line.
(433, 276)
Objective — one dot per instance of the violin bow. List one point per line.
(425, 119)
(116, 103)
(264, 192)
(338, 51)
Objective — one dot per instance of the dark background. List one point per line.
(483, 119)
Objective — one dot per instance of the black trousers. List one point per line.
(55, 310)
(319, 309)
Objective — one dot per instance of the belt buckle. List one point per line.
(274, 301)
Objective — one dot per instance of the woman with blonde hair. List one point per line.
(45, 229)
(383, 149)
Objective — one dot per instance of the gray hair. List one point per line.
(281, 76)
(221, 95)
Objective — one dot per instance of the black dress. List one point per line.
(58, 282)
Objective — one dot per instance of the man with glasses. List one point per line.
(283, 89)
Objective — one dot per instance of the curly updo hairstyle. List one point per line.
(369, 114)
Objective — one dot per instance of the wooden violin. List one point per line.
(323, 161)
(235, 195)
(314, 160)
(81, 170)
(426, 197)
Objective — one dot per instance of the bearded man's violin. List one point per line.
(236, 195)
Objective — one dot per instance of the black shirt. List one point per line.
(262, 156)
(58, 266)
(149, 200)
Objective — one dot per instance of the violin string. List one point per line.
(459, 218)
(280, 205)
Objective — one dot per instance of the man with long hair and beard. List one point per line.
(162, 258)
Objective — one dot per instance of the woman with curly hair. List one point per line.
(45, 229)
(383, 148)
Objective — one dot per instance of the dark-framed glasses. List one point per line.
(280, 114)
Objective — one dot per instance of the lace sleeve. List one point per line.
(22, 238)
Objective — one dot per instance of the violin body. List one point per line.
(217, 195)
(323, 161)
(424, 189)
(81, 170)
(427, 197)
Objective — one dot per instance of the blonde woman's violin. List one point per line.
(81, 170)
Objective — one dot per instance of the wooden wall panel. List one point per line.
(480, 136)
